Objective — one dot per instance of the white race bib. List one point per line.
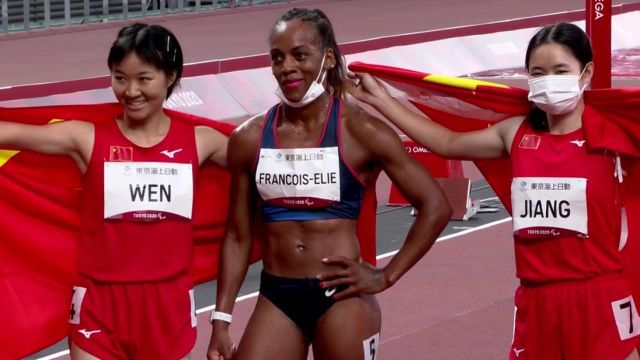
(304, 177)
(626, 316)
(76, 304)
(370, 347)
(151, 188)
(546, 206)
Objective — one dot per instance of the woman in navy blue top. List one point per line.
(300, 170)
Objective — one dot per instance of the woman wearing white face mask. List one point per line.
(573, 302)
(302, 168)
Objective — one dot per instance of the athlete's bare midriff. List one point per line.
(296, 249)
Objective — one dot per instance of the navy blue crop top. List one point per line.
(304, 184)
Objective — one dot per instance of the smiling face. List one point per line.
(140, 87)
(296, 57)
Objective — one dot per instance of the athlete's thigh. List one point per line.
(350, 329)
(270, 334)
(78, 354)
(633, 356)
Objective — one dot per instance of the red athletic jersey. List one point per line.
(137, 205)
(566, 207)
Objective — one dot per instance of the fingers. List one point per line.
(338, 260)
(353, 75)
(356, 79)
(346, 293)
(220, 346)
(334, 274)
(215, 355)
(342, 262)
(222, 355)
(337, 281)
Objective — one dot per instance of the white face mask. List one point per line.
(313, 92)
(556, 94)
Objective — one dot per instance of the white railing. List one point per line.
(21, 15)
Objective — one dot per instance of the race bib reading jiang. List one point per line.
(147, 191)
(301, 178)
(549, 207)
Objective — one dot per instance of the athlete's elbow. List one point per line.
(439, 213)
(445, 211)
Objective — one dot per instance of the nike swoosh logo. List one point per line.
(329, 292)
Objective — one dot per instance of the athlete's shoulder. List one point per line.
(250, 128)
(363, 125)
(246, 137)
(77, 128)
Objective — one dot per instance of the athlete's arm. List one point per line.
(212, 146)
(492, 142)
(72, 138)
(418, 187)
(236, 245)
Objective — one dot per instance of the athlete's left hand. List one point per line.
(360, 277)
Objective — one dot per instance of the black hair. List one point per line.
(575, 40)
(153, 44)
(336, 75)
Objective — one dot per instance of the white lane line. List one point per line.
(454, 235)
(56, 355)
(238, 299)
(382, 256)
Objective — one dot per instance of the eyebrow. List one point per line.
(144, 72)
(297, 48)
(558, 66)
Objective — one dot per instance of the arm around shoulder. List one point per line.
(485, 143)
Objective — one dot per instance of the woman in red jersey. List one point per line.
(302, 167)
(574, 301)
(134, 299)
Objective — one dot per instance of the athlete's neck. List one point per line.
(145, 133)
(309, 114)
(566, 123)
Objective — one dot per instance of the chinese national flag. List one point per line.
(39, 202)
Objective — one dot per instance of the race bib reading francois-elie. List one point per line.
(147, 191)
(300, 178)
(549, 207)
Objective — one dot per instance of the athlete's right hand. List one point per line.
(220, 346)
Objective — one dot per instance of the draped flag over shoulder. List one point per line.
(39, 203)
(463, 104)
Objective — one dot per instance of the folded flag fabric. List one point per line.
(463, 104)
